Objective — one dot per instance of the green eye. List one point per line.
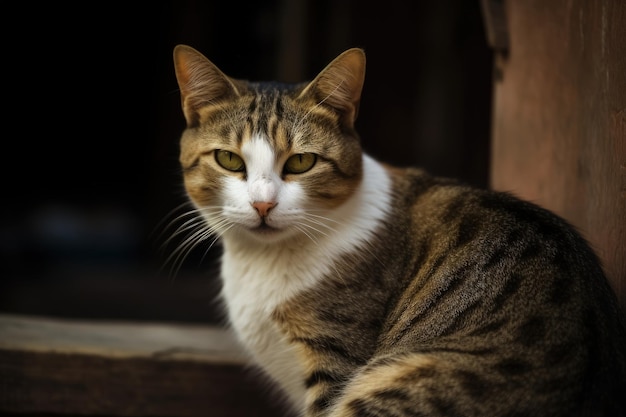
(299, 163)
(229, 160)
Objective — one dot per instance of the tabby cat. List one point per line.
(364, 289)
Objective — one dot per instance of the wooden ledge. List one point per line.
(119, 339)
(75, 367)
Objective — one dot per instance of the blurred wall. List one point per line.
(559, 126)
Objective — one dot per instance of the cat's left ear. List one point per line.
(339, 85)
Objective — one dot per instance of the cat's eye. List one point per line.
(229, 160)
(299, 163)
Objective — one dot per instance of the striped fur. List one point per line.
(363, 289)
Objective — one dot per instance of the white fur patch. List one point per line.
(258, 276)
(262, 177)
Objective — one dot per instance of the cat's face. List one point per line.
(269, 184)
(262, 160)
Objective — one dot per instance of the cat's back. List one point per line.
(506, 291)
(518, 256)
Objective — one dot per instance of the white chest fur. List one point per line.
(253, 287)
(257, 277)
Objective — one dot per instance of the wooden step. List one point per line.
(75, 367)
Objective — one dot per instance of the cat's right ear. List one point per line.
(339, 85)
(200, 82)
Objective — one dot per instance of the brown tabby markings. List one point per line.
(463, 302)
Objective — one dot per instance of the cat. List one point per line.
(365, 289)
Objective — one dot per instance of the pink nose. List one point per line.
(263, 207)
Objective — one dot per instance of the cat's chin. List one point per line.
(265, 229)
(268, 234)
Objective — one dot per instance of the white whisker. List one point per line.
(165, 227)
(188, 225)
(306, 233)
(323, 218)
(321, 223)
(216, 239)
(313, 228)
(178, 256)
(193, 224)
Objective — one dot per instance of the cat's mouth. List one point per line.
(267, 233)
(265, 228)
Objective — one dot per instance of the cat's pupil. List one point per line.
(229, 160)
(300, 163)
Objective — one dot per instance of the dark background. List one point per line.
(92, 119)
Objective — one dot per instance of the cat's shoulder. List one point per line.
(451, 200)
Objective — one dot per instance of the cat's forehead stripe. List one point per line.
(264, 117)
(271, 113)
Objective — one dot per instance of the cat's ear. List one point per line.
(339, 85)
(200, 82)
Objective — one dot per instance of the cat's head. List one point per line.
(269, 160)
